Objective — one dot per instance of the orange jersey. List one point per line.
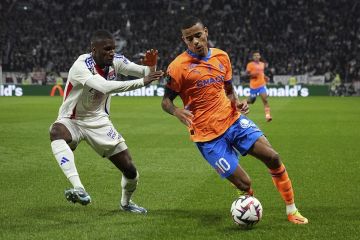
(199, 81)
(257, 70)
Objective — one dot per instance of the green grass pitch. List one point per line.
(318, 139)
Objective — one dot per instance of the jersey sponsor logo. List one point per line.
(206, 82)
(122, 58)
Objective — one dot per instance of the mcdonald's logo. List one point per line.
(59, 88)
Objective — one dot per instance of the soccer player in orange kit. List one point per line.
(255, 70)
(215, 117)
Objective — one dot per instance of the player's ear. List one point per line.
(206, 31)
(183, 38)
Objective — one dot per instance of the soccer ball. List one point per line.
(246, 211)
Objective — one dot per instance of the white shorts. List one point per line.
(103, 138)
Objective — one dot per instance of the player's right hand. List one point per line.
(185, 116)
(243, 107)
(153, 76)
(150, 58)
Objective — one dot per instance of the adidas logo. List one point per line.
(63, 161)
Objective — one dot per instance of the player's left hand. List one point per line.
(243, 107)
(150, 58)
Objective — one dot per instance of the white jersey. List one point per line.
(87, 94)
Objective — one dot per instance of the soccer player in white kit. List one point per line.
(84, 114)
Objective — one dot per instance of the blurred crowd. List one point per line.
(315, 37)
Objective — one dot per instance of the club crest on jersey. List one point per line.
(193, 65)
(221, 67)
(111, 75)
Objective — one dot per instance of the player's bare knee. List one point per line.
(124, 163)
(275, 161)
(275, 157)
(55, 133)
(59, 131)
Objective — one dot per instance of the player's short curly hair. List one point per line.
(99, 35)
(190, 21)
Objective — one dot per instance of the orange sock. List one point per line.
(283, 184)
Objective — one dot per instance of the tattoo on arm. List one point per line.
(167, 102)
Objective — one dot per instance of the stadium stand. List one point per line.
(316, 37)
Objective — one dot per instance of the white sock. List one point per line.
(65, 159)
(128, 187)
(290, 209)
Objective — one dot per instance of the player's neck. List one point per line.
(205, 56)
(206, 52)
(101, 66)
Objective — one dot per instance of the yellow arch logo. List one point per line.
(57, 87)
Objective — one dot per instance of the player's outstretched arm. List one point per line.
(153, 76)
(126, 67)
(99, 83)
(168, 106)
(241, 106)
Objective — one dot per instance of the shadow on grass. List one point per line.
(205, 217)
(83, 215)
(216, 219)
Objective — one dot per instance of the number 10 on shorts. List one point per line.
(222, 165)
